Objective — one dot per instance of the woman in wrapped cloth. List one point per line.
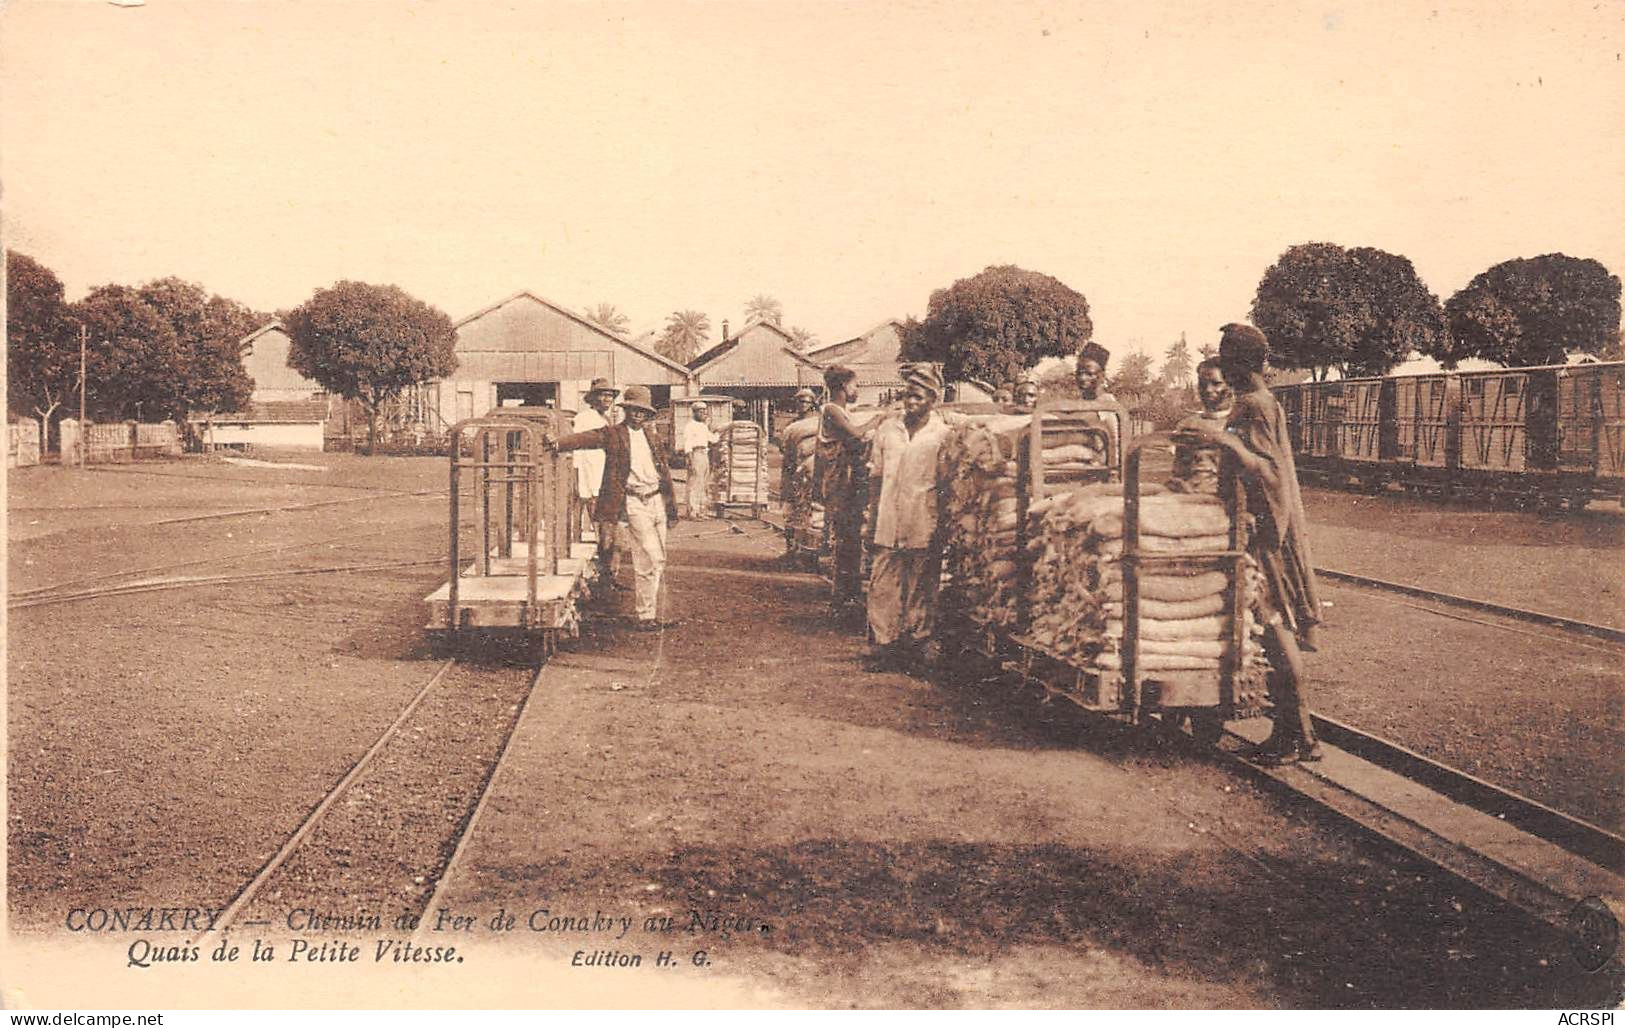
(838, 467)
(1256, 432)
(797, 445)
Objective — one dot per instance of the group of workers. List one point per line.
(884, 464)
(892, 460)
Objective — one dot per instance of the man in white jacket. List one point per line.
(590, 469)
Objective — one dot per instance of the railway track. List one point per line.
(381, 841)
(1467, 603)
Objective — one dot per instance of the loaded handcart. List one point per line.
(1141, 598)
(742, 485)
(528, 576)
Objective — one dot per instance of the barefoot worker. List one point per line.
(1256, 432)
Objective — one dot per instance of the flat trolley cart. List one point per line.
(742, 485)
(1134, 689)
(529, 573)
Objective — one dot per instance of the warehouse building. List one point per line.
(760, 366)
(526, 350)
(286, 409)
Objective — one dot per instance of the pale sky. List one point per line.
(847, 159)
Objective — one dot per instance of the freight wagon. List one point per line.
(1553, 434)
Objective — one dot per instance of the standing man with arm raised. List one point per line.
(636, 486)
(841, 441)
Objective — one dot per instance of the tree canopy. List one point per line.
(42, 348)
(1533, 310)
(1133, 378)
(369, 343)
(1178, 366)
(1361, 310)
(208, 333)
(685, 336)
(134, 359)
(607, 317)
(762, 307)
(996, 324)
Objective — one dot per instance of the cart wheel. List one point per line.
(1207, 727)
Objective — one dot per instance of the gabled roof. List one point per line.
(775, 362)
(578, 319)
(248, 340)
(856, 349)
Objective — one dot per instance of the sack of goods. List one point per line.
(976, 478)
(1076, 545)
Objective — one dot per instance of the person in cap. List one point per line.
(1091, 372)
(798, 445)
(907, 560)
(840, 483)
(1006, 393)
(636, 487)
(1026, 393)
(695, 439)
(590, 470)
(1256, 432)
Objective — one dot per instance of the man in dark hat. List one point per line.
(1256, 432)
(637, 487)
(908, 562)
(1091, 372)
(590, 470)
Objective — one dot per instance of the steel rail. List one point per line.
(1583, 839)
(250, 891)
(1449, 599)
(188, 583)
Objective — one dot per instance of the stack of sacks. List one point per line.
(1078, 584)
(806, 513)
(976, 478)
(1072, 457)
(742, 458)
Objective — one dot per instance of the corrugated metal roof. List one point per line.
(758, 356)
(539, 325)
(881, 344)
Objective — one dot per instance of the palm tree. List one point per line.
(686, 335)
(762, 307)
(1177, 364)
(608, 318)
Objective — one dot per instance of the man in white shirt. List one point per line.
(636, 485)
(907, 560)
(695, 441)
(590, 470)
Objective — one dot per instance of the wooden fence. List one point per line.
(23, 444)
(120, 441)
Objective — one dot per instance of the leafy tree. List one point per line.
(762, 307)
(209, 332)
(1177, 365)
(685, 336)
(1532, 310)
(608, 318)
(134, 363)
(804, 340)
(42, 347)
(369, 343)
(1133, 379)
(1361, 311)
(996, 324)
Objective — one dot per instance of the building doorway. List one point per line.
(527, 394)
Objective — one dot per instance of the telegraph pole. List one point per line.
(82, 433)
